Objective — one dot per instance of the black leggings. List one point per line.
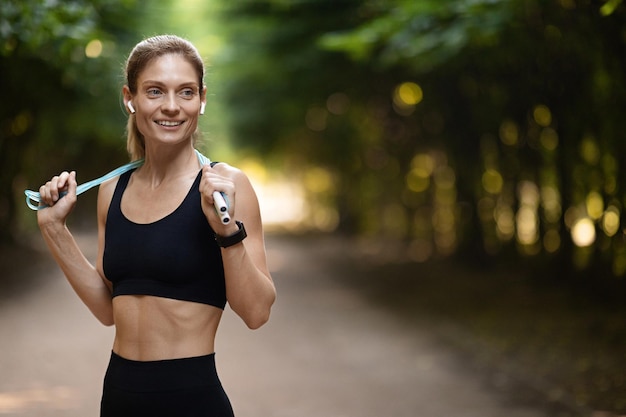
(186, 387)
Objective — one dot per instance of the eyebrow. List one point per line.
(160, 83)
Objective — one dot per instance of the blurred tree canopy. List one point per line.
(60, 68)
(477, 127)
(470, 127)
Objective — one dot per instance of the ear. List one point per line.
(127, 99)
(203, 100)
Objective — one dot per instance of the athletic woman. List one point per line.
(166, 264)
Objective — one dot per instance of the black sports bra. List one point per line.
(175, 257)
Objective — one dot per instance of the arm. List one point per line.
(249, 287)
(80, 273)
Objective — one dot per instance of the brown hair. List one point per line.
(141, 55)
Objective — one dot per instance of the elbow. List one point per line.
(107, 322)
(104, 316)
(106, 319)
(259, 316)
(256, 321)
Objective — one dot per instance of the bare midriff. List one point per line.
(151, 328)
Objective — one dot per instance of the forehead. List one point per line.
(169, 69)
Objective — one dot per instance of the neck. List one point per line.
(163, 164)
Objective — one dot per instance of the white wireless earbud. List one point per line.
(202, 107)
(130, 107)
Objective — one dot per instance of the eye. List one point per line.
(187, 93)
(153, 92)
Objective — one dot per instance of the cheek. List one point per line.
(142, 124)
(192, 116)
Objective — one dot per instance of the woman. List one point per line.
(166, 264)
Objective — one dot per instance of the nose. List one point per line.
(170, 104)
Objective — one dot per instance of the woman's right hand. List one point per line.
(58, 207)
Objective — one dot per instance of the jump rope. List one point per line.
(220, 200)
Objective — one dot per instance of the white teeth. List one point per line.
(167, 123)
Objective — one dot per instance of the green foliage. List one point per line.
(263, 72)
(63, 96)
(48, 29)
(509, 91)
(441, 110)
(421, 34)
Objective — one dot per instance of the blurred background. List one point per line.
(468, 152)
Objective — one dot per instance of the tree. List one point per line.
(56, 61)
(477, 123)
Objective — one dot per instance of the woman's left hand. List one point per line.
(211, 181)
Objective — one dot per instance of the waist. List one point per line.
(153, 328)
(161, 375)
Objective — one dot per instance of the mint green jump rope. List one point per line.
(33, 198)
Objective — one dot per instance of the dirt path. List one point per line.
(325, 352)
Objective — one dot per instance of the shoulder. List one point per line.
(244, 188)
(107, 188)
(234, 173)
(105, 195)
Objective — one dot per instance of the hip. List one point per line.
(184, 387)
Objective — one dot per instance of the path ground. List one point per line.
(326, 352)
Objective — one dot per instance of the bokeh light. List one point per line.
(21, 123)
(611, 221)
(505, 222)
(318, 180)
(316, 118)
(423, 161)
(492, 181)
(542, 115)
(583, 232)
(527, 218)
(549, 139)
(418, 180)
(589, 150)
(93, 49)
(551, 203)
(552, 240)
(595, 205)
(509, 132)
(338, 103)
(406, 96)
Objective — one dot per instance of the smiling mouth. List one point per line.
(168, 123)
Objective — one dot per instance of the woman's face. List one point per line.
(168, 99)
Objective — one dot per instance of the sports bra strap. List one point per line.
(33, 198)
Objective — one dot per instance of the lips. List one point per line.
(168, 123)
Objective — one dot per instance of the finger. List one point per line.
(51, 188)
(58, 184)
(218, 183)
(62, 183)
(204, 189)
(71, 183)
(206, 168)
(44, 196)
(63, 179)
